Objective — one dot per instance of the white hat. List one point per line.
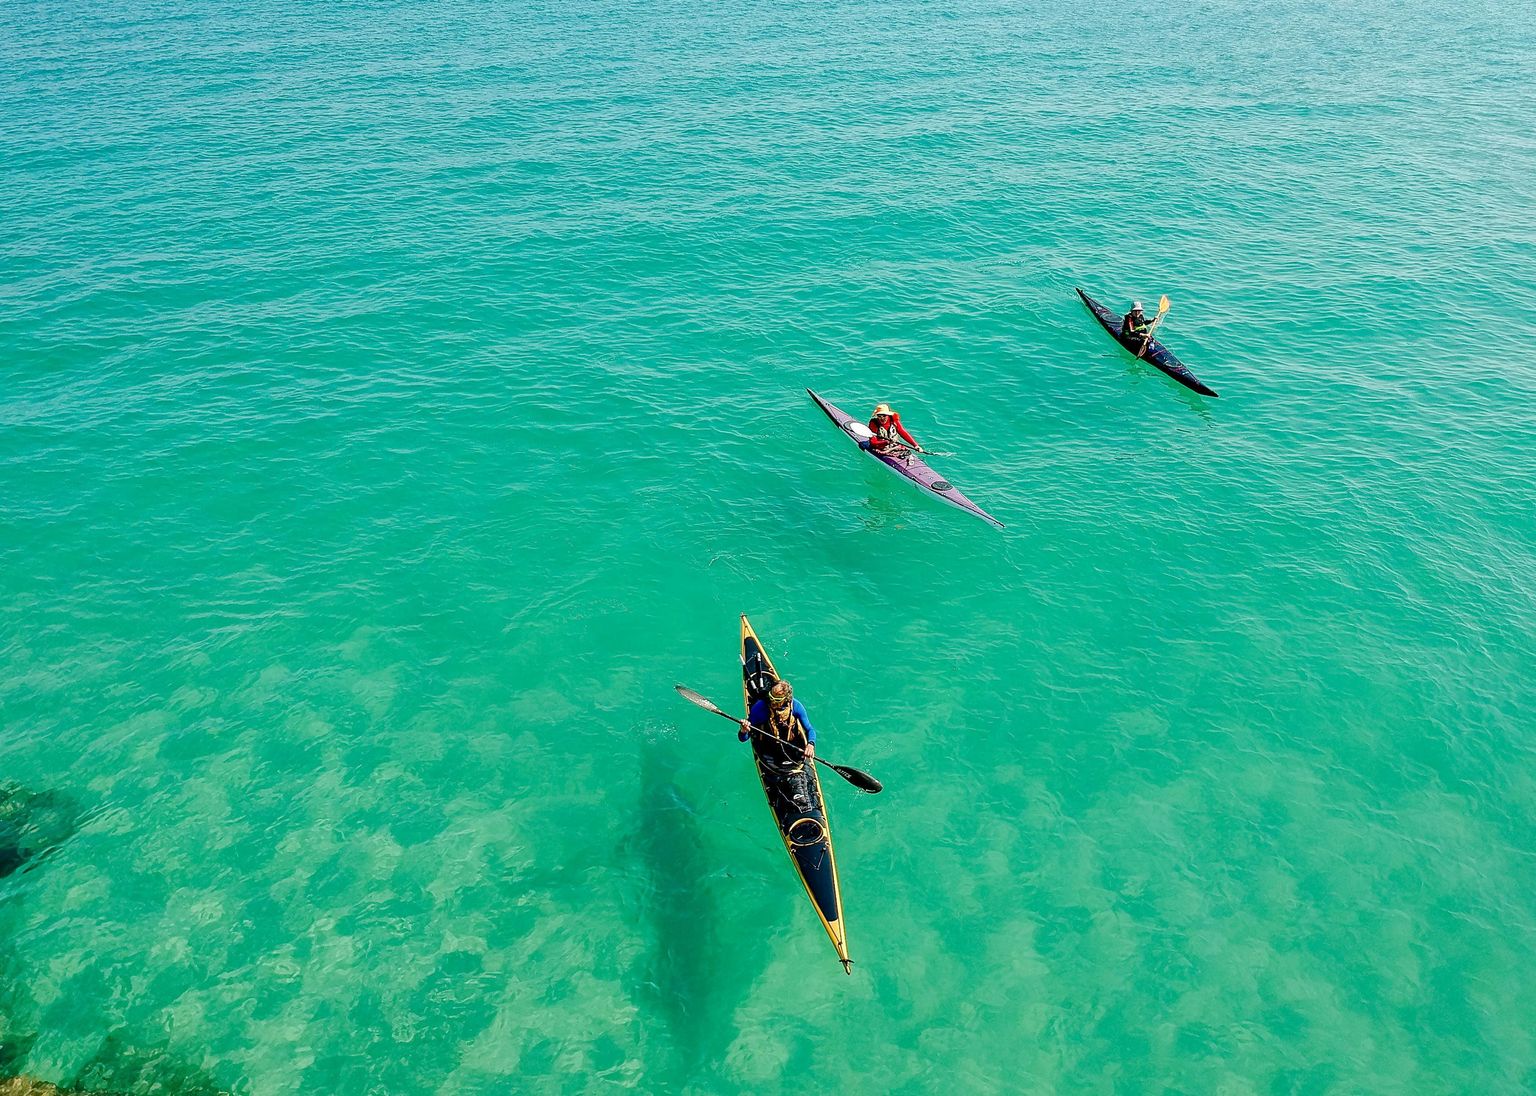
(1136, 306)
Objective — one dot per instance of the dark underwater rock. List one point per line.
(25, 1086)
(123, 1070)
(119, 1070)
(32, 824)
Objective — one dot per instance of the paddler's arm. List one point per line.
(756, 718)
(810, 732)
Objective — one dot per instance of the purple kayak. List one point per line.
(905, 463)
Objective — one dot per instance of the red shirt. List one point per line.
(893, 429)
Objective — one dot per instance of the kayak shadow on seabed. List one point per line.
(677, 979)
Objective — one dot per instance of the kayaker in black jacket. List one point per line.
(1135, 323)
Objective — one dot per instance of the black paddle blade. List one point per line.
(859, 779)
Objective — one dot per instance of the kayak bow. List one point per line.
(1156, 353)
(794, 796)
(909, 466)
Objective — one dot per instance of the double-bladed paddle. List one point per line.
(917, 449)
(1162, 310)
(859, 779)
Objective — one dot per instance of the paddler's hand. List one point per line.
(810, 750)
(744, 732)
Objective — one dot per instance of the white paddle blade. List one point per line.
(703, 702)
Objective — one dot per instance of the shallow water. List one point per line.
(399, 399)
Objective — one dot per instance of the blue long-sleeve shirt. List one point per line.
(758, 717)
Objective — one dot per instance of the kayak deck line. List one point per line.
(1155, 353)
(908, 465)
(794, 798)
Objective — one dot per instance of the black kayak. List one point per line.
(794, 796)
(1157, 354)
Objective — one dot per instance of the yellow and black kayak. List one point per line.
(794, 796)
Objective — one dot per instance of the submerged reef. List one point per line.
(120, 1067)
(32, 824)
(25, 1086)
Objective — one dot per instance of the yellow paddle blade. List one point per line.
(1162, 305)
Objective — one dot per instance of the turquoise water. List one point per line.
(399, 399)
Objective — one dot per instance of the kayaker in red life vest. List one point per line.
(885, 429)
(777, 715)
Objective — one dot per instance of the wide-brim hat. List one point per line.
(883, 409)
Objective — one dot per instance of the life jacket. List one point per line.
(788, 727)
(889, 431)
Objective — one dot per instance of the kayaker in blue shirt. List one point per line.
(782, 716)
